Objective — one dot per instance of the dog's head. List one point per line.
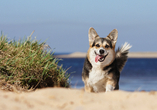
(102, 50)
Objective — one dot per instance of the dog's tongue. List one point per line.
(97, 58)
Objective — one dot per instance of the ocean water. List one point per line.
(137, 75)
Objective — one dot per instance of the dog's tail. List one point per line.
(122, 55)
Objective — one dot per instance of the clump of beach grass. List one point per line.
(27, 64)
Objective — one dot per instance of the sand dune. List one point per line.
(76, 99)
(73, 99)
(131, 55)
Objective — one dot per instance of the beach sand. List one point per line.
(76, 99)
(130, 55)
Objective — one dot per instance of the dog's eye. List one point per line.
(106, 46)
(97, 45)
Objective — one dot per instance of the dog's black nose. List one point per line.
(101, 51)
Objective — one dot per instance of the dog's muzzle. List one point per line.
(100, 57)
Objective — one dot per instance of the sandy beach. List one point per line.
(74, 99)
(78, 99)
(130, 55)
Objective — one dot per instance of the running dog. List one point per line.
(102, 66)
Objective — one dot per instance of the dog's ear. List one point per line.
(113, 35)
(92, 34)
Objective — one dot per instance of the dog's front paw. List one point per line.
(109, 88)
(88, 89)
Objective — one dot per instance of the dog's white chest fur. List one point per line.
(97, 75)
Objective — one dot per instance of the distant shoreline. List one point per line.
(130, 55)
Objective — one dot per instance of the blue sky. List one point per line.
(64, 24)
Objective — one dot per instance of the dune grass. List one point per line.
(27, 64)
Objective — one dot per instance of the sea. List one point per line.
(139, 74)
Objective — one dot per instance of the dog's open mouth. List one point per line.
(100, 58)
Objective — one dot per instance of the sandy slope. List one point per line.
(72, 99)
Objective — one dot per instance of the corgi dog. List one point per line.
(102, 66)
